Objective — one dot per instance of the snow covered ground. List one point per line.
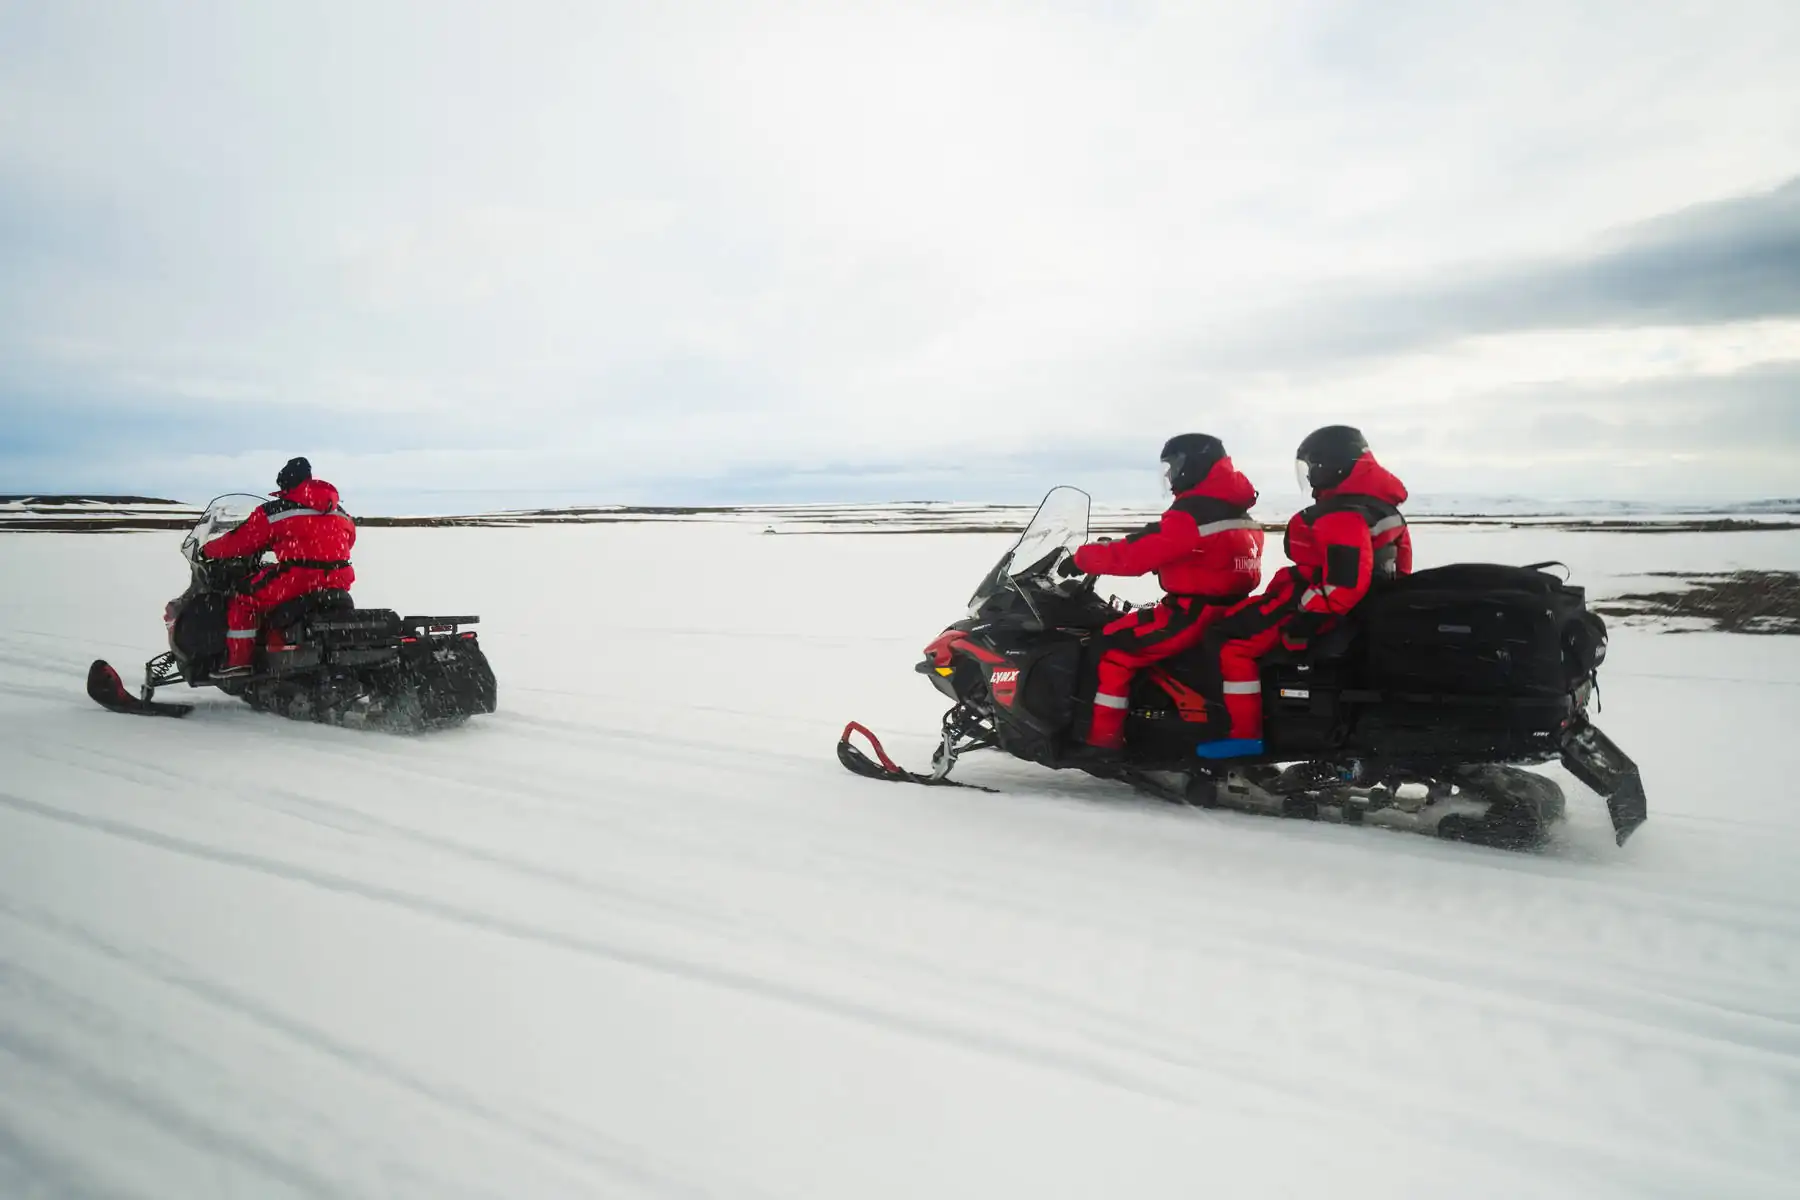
(639, 934)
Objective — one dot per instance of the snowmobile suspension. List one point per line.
(159, 672)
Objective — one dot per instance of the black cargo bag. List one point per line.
(1480, 629)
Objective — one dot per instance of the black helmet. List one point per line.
(1189, 457)
(297, 472)
(1327, 456)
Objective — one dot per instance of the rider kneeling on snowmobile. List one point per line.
(311, 538)
(1207, 553)
(1351, 538)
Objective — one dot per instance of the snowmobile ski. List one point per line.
(108, 691)
(883, 767)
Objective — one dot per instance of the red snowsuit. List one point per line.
(1350, 538)
(311, 537)
(1207, 554)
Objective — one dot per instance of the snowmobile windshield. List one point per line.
(1061, 524)
(222, 516)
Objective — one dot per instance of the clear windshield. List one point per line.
(223, 515)
(1061, 524)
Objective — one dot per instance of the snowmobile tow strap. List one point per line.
(886, 768)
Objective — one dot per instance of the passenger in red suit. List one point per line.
(1207, 554)
(311, 537)
(1352, 538)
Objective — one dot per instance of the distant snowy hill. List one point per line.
(29, 500)
(1526, 506)
(42, 513)
(95, 514)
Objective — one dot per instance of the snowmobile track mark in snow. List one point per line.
(930, 1028)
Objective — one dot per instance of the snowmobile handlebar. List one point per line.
(1066, 575)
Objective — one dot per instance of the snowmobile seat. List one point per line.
(1334, 645)
(289, 613)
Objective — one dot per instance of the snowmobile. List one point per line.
(318, 657)
(1419, 711)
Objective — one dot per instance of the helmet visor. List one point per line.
(1303, 475)
(1168, 478)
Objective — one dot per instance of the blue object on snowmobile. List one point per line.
(1230, 748)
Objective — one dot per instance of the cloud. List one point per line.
(639, 249)
(1716, 263)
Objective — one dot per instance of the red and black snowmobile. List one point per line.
(318, 657)
(1420, 711)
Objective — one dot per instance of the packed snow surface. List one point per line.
(638, 934)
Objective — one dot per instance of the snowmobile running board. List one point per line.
(107, 690)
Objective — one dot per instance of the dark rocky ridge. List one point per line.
(1765, 602)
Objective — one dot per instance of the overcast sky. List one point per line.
(686, 251)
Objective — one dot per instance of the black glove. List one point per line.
(1068, 569)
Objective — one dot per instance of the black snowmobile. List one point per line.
(318, 658)
(1419, 711)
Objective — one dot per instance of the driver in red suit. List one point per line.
(311, 538)
(1207, 554)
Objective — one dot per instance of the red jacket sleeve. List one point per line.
(1403, 553)
(1141, 553)
(252, 537)
(1349, 564)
